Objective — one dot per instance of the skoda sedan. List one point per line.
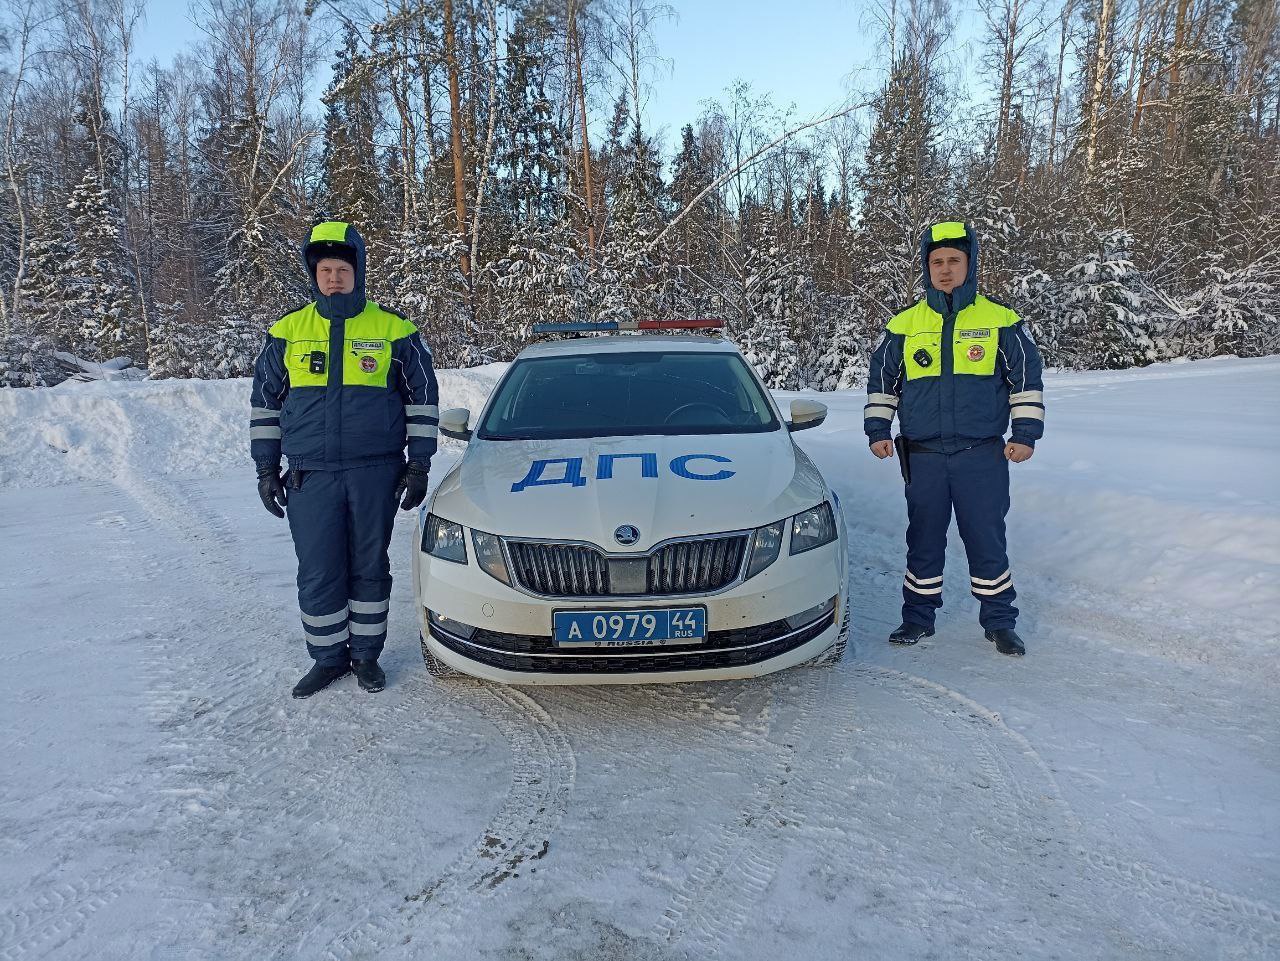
(630, 509)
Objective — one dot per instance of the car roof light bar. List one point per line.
(609, 326)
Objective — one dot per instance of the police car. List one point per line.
(630, 508)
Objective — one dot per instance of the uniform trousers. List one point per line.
(975, 484)
(341, 522)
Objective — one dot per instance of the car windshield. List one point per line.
(619, 394)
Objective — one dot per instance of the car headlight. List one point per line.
(812, 528)
(765, 544)
(443, 539)
(489, 555)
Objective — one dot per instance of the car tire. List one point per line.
(835, 653)
(435, 666)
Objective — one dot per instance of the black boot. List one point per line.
(910, 633)
(319, 677)
(369, 675)
(1007, 641)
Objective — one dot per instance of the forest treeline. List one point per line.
(1120, 159)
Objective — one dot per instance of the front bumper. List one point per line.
(747, 634)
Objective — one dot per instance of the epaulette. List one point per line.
(999, 303)
(392, 310)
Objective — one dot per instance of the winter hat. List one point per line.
(952, 234)
(317, 252)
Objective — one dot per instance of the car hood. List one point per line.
(562, 489)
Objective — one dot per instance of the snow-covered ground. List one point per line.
(1111, 795)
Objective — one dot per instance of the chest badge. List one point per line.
(977, 352)
(370, 364)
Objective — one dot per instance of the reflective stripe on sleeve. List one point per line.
(264, 413)
(264, 433)
(325, 620)
(1027, 397)
(421, 410)
(369, 607)
(1033, 413)
(423, 430)
(885, 412)
(888, 400)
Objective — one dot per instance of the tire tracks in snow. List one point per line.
(734, 867)
(543, 769)
(1175, 907)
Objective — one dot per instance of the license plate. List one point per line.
(651, 626)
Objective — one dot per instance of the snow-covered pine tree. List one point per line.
(423, 269)
(902, 183)
(170, 351)
(100, 297)
(632, 272)
(45, 293)
(1103, 324)
(257, 272)
(774, 286)
(352, 184)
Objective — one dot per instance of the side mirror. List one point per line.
(455, 423)
(806, 414)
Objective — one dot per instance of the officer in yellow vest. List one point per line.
(957, 369)
(340, 388)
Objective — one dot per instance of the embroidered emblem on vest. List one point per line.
(977, 352)
(370, 364)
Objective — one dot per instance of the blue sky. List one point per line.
(803, 52)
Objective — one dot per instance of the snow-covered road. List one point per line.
(1112, 795)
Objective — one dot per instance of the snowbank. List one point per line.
(84, 431)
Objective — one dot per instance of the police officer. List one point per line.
(956, 368)
(340, 386)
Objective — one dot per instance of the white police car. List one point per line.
(630, 509)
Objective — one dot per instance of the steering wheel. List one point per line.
(694, 405)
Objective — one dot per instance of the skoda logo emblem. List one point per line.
(626, 535)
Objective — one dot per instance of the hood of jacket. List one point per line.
(337, 306)
(967, 292)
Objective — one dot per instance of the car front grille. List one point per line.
(687, 567)
(560, 570)
(692, 566)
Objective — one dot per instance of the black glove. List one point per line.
(271, 488)
(412, 489)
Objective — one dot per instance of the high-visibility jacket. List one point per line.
(955, 369)
(342, 381)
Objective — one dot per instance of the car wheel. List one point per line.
(435, 666)
(835, 653)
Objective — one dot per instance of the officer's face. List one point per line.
(947, 267)
(334, 276)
